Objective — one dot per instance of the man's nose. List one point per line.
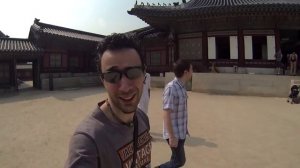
(125, 83)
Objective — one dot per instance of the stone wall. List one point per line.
(214, 83)
(61, 81)
(243, 84)
(239, 84)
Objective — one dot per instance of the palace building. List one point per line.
(227, 36)
(53, 52)
(234, 35)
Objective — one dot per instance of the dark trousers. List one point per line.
(178, 156)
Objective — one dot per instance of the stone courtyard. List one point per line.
(226, 131)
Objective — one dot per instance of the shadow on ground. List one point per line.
(32, 93)
(190, 141)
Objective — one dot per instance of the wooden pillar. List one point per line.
(205, 50)
(171, 50)
(36, 75)
(277, 39)
(241, 49)
(175, 48)
(14, 74)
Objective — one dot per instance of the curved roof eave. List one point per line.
(47, 29)
(210, 11)
(18, 45)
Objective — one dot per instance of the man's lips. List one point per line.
(127, 98)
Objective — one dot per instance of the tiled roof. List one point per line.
(204, 8)
(139, 30)
(215, 3)
(146, 32)
(17, 45)
(48, 29)
(2, 34)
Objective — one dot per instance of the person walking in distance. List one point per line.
(175, 116)
(293, 63)
(145, 98)
(278, 57)
(116, 134)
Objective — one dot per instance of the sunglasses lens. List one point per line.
(115, 76)
(134, 73)
(112, 77)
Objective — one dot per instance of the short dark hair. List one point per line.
(180, 66)
(115, 42)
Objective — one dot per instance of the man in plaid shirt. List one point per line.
(175, 113)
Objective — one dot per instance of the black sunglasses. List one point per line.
(114, 76)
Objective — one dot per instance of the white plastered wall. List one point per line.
(248, 47)
(271, 47)
(233, 47)
(211, 48)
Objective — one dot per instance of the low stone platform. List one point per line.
(240, 84)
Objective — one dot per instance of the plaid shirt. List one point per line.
(175, 99)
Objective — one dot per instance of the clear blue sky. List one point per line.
(95, 16)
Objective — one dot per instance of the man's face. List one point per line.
(124, 94)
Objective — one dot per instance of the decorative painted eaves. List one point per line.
(210, 8)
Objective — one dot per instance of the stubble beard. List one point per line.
(126, 109)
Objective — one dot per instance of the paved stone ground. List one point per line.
(226, 131)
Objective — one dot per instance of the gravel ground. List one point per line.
(226, 131)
